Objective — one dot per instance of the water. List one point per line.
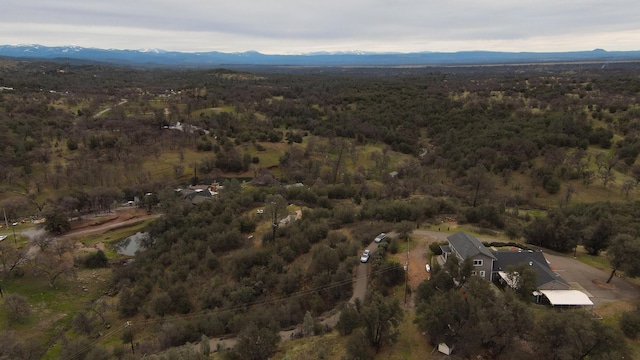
(131, 245)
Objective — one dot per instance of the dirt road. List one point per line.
(121, 219)
(109, 225)
(124, 219)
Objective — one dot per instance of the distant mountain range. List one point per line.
(154, 57)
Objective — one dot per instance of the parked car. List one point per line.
(428, 267)
(365, 256)
(380, 237)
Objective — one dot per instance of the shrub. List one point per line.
(349, 320)
(394, 246)
(490, 214)
(435, 248)
(630, 324)
(18, 307)
(161, 304)
(551, 184)
(96, 260)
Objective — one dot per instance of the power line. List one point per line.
(204, 313)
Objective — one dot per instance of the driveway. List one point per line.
(591, 280)
(581, 276)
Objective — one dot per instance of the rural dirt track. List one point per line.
(110, 225)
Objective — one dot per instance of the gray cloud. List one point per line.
(303, 25)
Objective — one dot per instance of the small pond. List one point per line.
(131, 245)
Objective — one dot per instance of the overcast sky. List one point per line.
(301, 26)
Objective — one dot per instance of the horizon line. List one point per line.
(321, 52)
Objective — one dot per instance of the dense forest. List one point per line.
(538, 154)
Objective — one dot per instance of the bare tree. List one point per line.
(52, 267)
(588, 177)
(626, 188)
(100, 307)
(635, 172)
(479, 181)
(605, 168)
(82, 323)
(61, 246)
(178, 170)
(14, 206)
(554, 157)
(276, 206)
(10, 257)
(18, 306)
(570, 191)
(43, 241)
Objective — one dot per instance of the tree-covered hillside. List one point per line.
(265, 186)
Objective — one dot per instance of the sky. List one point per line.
(303, 26)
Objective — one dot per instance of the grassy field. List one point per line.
(53, 307)
(330, 346)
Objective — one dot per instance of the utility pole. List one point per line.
(274, 221)
(406, 274)
(13, 227)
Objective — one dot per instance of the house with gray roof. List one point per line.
(546, 278)
(466, 246)
(551, 288)
(494, 266)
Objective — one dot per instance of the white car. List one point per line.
(427, 267)
(365, 256)
(380, 237)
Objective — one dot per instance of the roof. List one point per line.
(195, 196)
(567, 297)
(545, 277)
(468, 246)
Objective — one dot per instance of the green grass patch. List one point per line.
(52, 308)
(403, 245)
(162, 167)
(211, 111)
(331, 345)
(536, 213)
(270, 156)
(411, 344)
(599, 262)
